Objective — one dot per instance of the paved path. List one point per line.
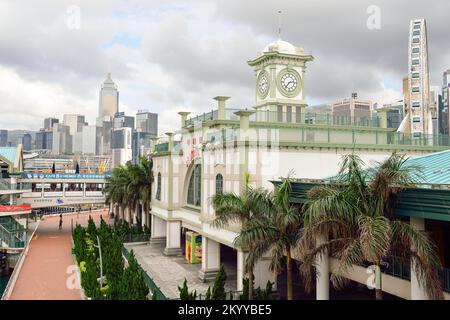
(169, 272)
(44, 273)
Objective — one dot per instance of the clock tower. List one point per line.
(280, 70)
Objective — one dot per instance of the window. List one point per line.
(417, 27)
(415, 75)
(416, 32)
(416, 104)
(415, 50)
(416, 119)
(416, 40)
(280, 113)
(415, 89)
(195, 187)
(158, 187)
(219, 183)
(415, 62)
(288, 114)
(298, 114)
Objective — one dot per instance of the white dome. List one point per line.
(282, 47)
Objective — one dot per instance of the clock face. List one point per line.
(289, 82)
(263, 84)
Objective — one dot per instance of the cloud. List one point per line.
(171, 56)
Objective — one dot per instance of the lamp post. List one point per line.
(101, 262)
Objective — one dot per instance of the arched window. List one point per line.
(195, 187)
(158, 187)
(219, 183)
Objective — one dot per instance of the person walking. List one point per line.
(60, 221)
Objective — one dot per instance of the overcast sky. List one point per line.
(168, 56)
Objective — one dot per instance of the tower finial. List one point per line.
(279, 24)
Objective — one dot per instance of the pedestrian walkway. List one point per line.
(169, 272)
(47, 272)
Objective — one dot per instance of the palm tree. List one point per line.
(276, 231)
(232, 208)
(146, 181)
(354, 213)
(115, 187)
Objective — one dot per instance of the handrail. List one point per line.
(15, 275)
(154, 289)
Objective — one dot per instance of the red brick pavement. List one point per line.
(46, 273)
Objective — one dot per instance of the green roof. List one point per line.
(435, 167)
(9, 153)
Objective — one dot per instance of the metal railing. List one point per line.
(154, 289)
(136, 238)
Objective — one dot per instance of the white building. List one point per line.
(122, 150)
(215, 152)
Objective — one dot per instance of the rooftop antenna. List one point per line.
(279, 24)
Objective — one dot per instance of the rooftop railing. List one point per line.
(305, 117)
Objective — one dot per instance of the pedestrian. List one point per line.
(60, 221)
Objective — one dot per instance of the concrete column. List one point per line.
(417, 291)
(183, 115)
(170, 174)
(210, 259)
(241, 256)
(173, 238)
(323, 274)
(382, 113)
(221, 106)
(154, 142)
(158, 230)
(12, 198)
(243, 143)
(144, 216)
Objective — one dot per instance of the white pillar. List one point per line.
(173, 238)
(210, 259)
(241, 256)
(144, 216)
(323, 273)
(417, 291)
(158, 231)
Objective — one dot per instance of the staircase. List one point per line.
(12, 233)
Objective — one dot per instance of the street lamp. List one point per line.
(101, 262)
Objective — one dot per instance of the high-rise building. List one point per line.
(352, 110)
(394, 113)
(25, 141)
(445, 114)
(104, 139)
(62, 140)
(49, 122)
(121, 145)
(436, 107)
(44, 140)
(75, 122)
(109, 98)
(3, 138)
(147, 122)
(418, 113)
(141, 145)
(123, 121)
(90, 139)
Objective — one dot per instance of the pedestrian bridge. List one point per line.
(60, 189)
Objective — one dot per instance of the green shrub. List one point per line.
(184, 292)
(218, 290)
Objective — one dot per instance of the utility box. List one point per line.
(193, 247)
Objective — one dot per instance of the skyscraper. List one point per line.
(445, 114)
(3, 138)
(418, 113)
(109, 98)
(147, 122)
(48, 123)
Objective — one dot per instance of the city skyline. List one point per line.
(143, 54)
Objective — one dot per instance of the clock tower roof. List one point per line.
(282, 47)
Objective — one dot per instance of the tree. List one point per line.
(354, 213)
(276, 231)
(218, 290)
(184, 292)
(231, 208)
(133, 285)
